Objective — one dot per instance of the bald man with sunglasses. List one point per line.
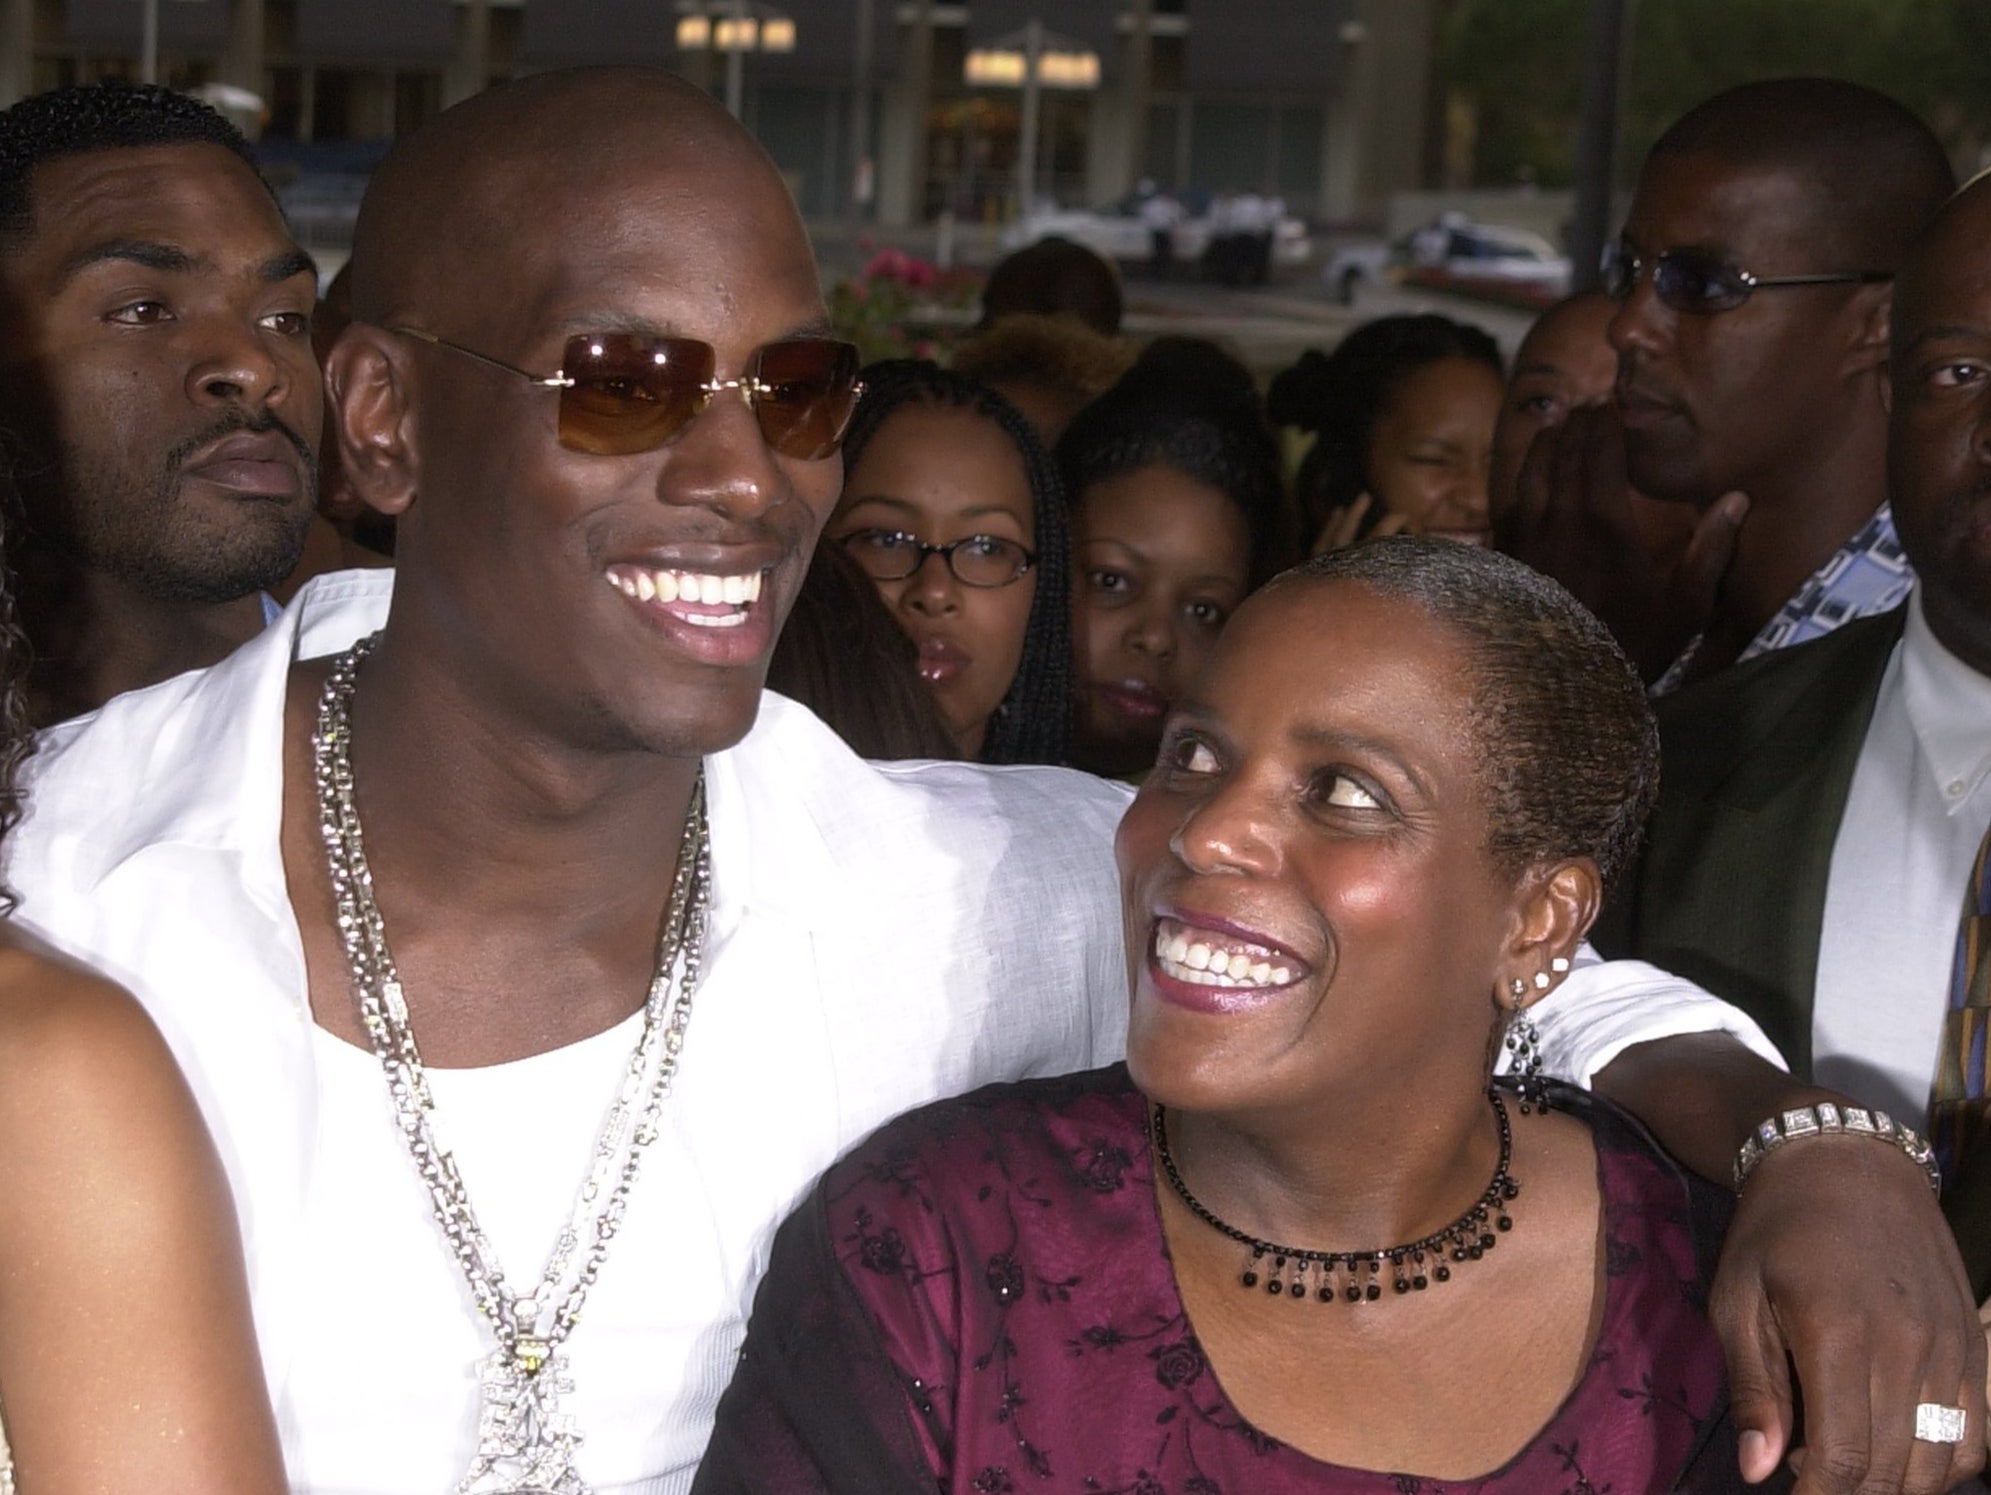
(499, 917)
(1752, 280)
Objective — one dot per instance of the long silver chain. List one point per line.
(524, 1444)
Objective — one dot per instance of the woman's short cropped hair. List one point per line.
(1565, 740)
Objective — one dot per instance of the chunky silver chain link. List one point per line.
(603, 1198)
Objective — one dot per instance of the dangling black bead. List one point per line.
(1373, 1293)
(1249, 1279)
(1299, 1288)
(1505, 1222)
(1443, 1273)
(1418, 1282)
(1355, 1293)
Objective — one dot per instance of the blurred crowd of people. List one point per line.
(1547, 948)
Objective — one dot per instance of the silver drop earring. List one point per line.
(1524, 1064)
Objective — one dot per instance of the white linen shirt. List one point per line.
(881, 935)
(1917, 807)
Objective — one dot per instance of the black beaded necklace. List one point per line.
(1358, 1274)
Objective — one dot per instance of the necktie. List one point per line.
(1958, 1103)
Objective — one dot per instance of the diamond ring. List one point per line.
(1935, 1423)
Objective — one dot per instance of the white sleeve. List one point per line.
(1604, 1007)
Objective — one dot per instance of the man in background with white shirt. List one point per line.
(588, 588)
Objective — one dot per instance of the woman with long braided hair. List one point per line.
(952, 506)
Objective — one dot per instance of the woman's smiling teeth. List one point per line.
(1202, 958)
(735, 592)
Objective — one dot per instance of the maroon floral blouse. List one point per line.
(995, 1265)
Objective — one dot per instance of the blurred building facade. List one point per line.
(893, 109)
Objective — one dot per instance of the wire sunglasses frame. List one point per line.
(624, 393)
(1704, 283)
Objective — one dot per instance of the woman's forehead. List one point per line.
(1304, 638)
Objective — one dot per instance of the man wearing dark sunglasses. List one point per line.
(1824, 809)
(1752, 281)
(399, 908)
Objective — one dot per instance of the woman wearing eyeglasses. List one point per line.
(1301, 1243)
(128, 1364)
(951, 505)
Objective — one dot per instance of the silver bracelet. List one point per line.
(1825, 1119)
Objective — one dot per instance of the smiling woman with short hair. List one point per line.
(1302, 1243)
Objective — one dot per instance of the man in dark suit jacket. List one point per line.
(1864, 756)
(1756, 765)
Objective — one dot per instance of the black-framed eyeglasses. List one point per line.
(975, 561)
(626, 392)
(1702, 282)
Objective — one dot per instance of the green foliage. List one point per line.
(1519, 62)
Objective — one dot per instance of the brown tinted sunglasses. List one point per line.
(625, 392)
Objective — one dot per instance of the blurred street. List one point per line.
(1268, 327)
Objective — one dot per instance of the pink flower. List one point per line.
(886, 264)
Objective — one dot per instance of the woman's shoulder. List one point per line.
(1084, 1129)
(1647, 1192)
(79, 1054)
(55, 1011)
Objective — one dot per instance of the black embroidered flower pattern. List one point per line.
(1177, 1365)
(1104, 1168)
(1011, 1193)
(1004, 1277)
(1621, 1257)
(883, 1252)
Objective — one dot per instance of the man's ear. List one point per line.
(1554, 908)
(1871, 318)
(367, 384)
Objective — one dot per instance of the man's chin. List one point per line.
(1666, 474)
(691, 722)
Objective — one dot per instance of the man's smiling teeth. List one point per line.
(648, 585)
(1205, 959)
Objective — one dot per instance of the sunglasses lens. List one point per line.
(630, 393)
(806, 392)
(1694, 281)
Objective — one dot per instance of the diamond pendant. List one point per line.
(525, 1445)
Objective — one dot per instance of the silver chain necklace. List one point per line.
(525, 1444)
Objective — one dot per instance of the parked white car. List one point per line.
(1117, 232)
(1456, 254)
